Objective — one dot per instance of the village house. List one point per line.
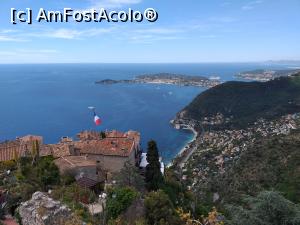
(20, 147)
(111, 151)
(87, 173)
(93, 158)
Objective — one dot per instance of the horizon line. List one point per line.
(208, 62)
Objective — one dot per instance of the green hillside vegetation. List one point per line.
(245, 102)
(267, 208)
(269, 164)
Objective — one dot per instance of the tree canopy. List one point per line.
(153, 176)
(160, 210)
(268, 208)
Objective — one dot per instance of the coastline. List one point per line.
(167, 78)
(185, 147)
(187, 150)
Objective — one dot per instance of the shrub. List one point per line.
(268, 208)
(160, 210)
(119, 199)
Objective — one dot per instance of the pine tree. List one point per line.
(154, 178)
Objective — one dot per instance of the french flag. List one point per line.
(97, 119)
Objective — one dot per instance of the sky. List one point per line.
(187, 31)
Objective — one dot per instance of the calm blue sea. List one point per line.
(52, 100)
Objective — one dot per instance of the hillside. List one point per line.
(269, 164)
(245, 102)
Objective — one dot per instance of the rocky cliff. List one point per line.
(42, 210)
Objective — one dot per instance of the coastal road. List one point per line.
(194, 148)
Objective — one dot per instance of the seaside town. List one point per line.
(214, 151)
(265, 75)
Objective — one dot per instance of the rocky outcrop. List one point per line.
(43, 210)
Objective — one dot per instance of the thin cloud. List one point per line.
(29, 55)
(10, 36)
(94, 4)
(7, 53)
(224, 4)
(251, 5)
(39, 51)
(8, 39)
(29, 52)
(159, 30)
(72, 34)
(149, 39)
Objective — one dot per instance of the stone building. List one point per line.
(86, 172)
(94, 155)
(112, 151)
(64, 148)
(20, 147)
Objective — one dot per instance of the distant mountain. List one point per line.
(285, 62)
(245, 102)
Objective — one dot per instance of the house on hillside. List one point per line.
(87, 173)
(20, 147)
(112, 151)
(93, 158)
(94, 152)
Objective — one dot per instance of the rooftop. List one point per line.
(115, 143)
(107, 146)
(68, 162)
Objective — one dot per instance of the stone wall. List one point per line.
(113, 164)
(21, 147)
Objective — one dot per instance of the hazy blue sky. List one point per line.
(186, 31)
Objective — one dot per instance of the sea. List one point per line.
(52, 100)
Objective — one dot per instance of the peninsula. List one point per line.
(168, 78)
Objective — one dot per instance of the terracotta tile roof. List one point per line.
(95, 135)
(114, 134)
(31, 138)
(59, 150)
(19, 147)
(107, 146)
(69, 162)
